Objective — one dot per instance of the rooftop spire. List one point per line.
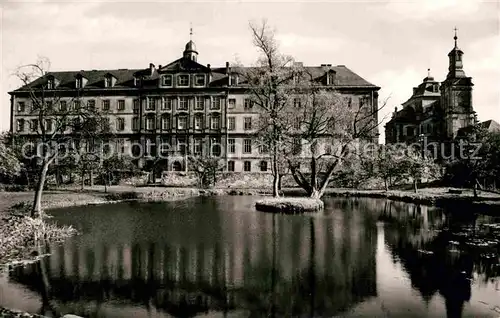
(428, 72)
(190, 31)
(455, 37)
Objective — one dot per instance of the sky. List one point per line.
(389, 43)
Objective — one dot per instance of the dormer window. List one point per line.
(167, 80)
(233, 79)
(80, 81)
(182, 80)
(330, 78)
(50, 83)
(137, 81)
(199, 80)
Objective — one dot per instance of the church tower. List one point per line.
(456, 95)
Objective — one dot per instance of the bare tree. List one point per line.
(269, 90)
(62, 125)
(326, 129)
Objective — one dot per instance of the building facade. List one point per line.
(181, 104)
(436, 110)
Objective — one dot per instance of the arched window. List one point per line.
(177, 166)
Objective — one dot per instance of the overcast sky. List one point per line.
(390, 44)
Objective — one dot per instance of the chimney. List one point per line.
(414, 90)
(159, 66)
(227, 67)
(208, 66)
(151, 68)
(209, 74)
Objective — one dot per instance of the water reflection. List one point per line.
(218, 255)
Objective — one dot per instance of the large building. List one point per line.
(181, 103)
(436, 110)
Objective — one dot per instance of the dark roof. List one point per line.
(488, 125)
(125, 77)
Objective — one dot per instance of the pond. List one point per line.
(218, 257)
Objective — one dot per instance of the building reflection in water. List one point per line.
(218, 254)
(228, 258)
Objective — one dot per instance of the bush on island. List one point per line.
(289, 205)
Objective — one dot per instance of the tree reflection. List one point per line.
(422, 238)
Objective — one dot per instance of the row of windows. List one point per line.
(164, 124)
(64, 105)
(247, 166)
(183, 102)
(183, 80)
(165, 103)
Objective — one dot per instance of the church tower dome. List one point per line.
(190, 52)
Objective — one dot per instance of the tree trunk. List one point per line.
(386, 185)
(91, 178)
(82, 181)
(415, 185)
(475, 189)
(276, 185)
(37, 203)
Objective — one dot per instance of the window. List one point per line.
(181, 145)
(91, 104)
(151, 104)
(247, 145)
(167, 80)
(137, 81)
(120, 124)
(297, 102)
(135, 123)
(48, 125)
(198, 122)
(79, 83)
(107, 81)
(247, 166)
(50, 83)
(200, 103)
(21, 107)
(215, 147)
(231, 145)
(166, 103)
(182, 122)
(263, 148)
(137, 105)
(50, 105)
(105, 105)
(214, 122)
(331, 78)
(230, 166)
(197, 147)
(231, 103)
(165, 122)
(409, 131)
(34, 125)
(216, 103)
(248, 104)
(20, 125)
(199, 80)
(231, 123)
(183, 103)
(248, 123)
(121, 104)
(233, 79)
(263, 166)
(182, 80)
(150, 123)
